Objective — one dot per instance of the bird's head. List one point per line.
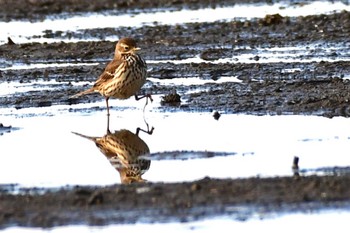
(126, 46)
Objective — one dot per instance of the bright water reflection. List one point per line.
(254, 145)
(307, 222)
(311, 53)
(125, 150)
(21, 66)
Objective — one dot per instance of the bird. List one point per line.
(126, 152)
(124, 76)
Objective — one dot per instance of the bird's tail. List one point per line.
(87, 137)
(88, 91)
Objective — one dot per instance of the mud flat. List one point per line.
(160, 202)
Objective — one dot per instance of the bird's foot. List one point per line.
(147, 96)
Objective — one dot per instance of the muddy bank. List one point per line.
(158, 202)
(303, 87)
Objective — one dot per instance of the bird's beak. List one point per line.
(137, 49)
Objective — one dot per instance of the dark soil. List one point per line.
(313, 88)
(159, 202)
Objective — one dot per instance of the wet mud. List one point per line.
(267, 88)
(303, 87)
(159, 202)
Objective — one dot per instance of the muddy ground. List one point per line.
(313, 88)
(159, 202)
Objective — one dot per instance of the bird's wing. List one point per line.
(109, 71)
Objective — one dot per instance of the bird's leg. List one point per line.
(148, 131)
(145, 131)
(108, 131)
(107, 106)
(147, 96)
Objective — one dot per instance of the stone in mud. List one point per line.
(5, 129)
(271, 20)
(172, 99)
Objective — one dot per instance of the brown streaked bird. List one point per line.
(126, 152)
(124, 76)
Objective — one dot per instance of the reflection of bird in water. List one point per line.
(124, 76)
(126, 152)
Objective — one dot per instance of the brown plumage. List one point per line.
(124, 76)
(125, 151)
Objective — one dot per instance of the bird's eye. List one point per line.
(126, 47)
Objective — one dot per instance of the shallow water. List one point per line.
(262, 145)
(320, 222)
(310, 53)
(21, 66)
